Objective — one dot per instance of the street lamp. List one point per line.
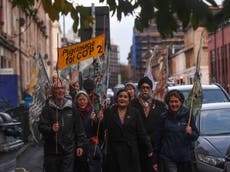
(21, 24)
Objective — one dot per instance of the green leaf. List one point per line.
(75, 26)
(194, 21)
(226, 9)
(113, 6)
(23, 4)
(67, 8)
(59, 4)
(83, 11)
(74, 13)
(119, 14)
(47, 5)
(53, 14)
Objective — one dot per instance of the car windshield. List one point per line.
(215, 122)
(210, 95)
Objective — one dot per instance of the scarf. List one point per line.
(146, 105)
(84, 111)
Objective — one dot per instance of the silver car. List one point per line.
(213, 122)
(211, 93)
(227, 163)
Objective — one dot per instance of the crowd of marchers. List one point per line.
(134, 133)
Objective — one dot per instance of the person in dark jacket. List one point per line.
(175, 135)
(61, 129)
(89, 86)
(74, 88)
(130, 87)
(125, 130)
(150, 110)
(92, 156)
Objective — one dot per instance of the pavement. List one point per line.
(30, 158)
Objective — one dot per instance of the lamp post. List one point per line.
(21, 24)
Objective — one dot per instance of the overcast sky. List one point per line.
(120, 32)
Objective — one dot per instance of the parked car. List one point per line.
(227, 160)
(211, 147)
(211, 93)
(10, 142)
(109, 93)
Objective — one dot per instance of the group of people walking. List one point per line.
(136, 133)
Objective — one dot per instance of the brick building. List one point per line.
(219, 55)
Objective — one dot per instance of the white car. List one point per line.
(211, 93)
(109, 93)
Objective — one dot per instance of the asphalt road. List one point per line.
(30, 158)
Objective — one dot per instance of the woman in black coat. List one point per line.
(125, 130)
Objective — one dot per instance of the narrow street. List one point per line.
(30, 159)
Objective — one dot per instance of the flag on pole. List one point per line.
(195, 98)
(148, 71)
(161, 86)
(39, 98)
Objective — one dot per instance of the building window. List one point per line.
(3, 62)
(190, 80)
(219, 64)
(222, 64)
(213, 65)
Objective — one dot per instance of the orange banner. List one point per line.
(76, 53)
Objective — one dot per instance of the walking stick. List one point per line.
(98, 127)
(190, 112)
(56, 134)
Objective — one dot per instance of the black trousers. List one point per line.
(169, 166)
(59, 162)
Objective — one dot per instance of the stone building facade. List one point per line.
(182, 65)
(23, 35)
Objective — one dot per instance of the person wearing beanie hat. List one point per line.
(91, 161)
(89, 86)
(79, 93)
(150, 110)
(74, 88)
(145, 80)
(175, 152)
(130, 87)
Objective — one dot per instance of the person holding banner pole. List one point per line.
(94, 99)
(175, 136)
(61, 129)
(92, 156)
